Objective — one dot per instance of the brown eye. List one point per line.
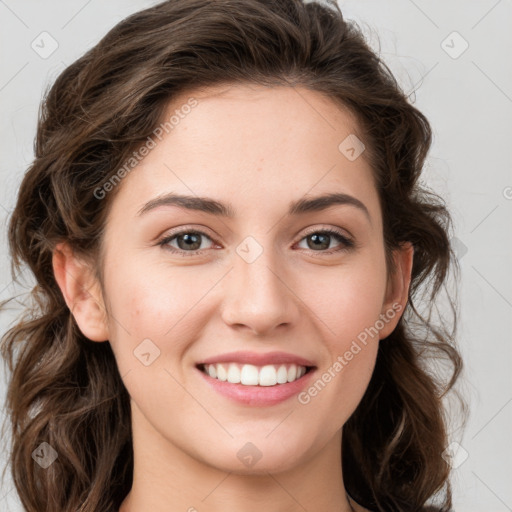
(186, 241)
(320, 240)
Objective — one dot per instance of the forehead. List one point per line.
(251, 144)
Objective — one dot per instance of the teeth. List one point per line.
(234, 374)
(268, 376)
(222, 374)
(251, 375)
(282, 375)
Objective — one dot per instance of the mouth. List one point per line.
(256, 379)
(255, 375)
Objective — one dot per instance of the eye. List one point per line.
(320, 239)
(187, 241)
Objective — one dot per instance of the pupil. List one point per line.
(190, 239)
(317, 237)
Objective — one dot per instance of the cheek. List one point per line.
(348, 300)
(347, 304)
(153, 302)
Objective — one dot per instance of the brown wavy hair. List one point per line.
(67, 391)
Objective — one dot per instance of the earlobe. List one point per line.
(397, 292)
(81, 291)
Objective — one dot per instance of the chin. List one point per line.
(257, 455)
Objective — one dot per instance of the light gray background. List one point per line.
(467, 97)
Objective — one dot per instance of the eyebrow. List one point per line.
(213, 207)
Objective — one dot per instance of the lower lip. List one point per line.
(258, 395)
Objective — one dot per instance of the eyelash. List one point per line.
(347, 243)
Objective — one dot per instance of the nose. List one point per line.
(259, 296)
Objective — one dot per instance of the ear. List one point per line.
(81, 291)
(397, 291)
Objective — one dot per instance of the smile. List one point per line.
(252, 375)
(251, 392)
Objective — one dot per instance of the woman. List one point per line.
(227, 232)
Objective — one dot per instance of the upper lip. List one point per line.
(258, 359)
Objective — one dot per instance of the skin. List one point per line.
(257, 148)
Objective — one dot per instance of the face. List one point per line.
(249, 272)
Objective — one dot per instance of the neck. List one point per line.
(167, 478)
